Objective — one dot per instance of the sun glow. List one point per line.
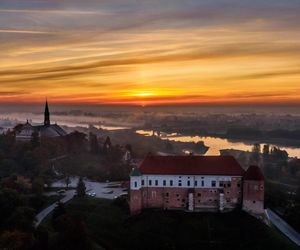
(144, 94)
(124, 60)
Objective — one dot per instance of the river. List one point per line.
(216, 144)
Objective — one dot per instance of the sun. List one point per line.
(144, 94)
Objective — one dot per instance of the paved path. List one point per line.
(283, 226)
(101, 190)
(43, 214)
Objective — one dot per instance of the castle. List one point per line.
(25, 132)
(196, 183)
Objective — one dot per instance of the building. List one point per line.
(195, 183)
(25, 132)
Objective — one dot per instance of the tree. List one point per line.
(67, 181)
(94, 146)
(266, 150)
(256, 148)
(35, 140)
(255, 156)
(107, 146)
(16, 240)
(76, 142)
(9, 201)
(58, 211)
(22, 219)
(38, 185)
(71, 233)
(81, 189)
(278, 154)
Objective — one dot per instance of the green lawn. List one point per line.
(109, 225)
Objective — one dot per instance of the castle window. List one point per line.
(177, 195)
(135, 184)
(202, 183)
(167, 194)
(188, 183)
(143, 182)
(239, 185)
(213, 183)
(228, 200)
(195, 183)
(171, 183)
(179, 183)
(199, 201)
(199, 194)
(254, 201)
(228, 184)
(150, 182)
(227, 192)
(164, 182)
(156, 182)
(221, 184)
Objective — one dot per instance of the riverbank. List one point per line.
(215, 142)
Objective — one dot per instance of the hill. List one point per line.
(110, 226)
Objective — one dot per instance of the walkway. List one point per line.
(101, 190)
(283, 226)
(43, 214)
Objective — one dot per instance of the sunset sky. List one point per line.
(150, 52)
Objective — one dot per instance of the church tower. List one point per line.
(46, 115)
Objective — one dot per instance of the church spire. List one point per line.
(46, 114)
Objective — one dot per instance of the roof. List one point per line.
(191, 165)
(52, 130)
(135, 172)
(254, 173)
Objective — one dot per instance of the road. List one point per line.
(283, 227)
(101, 190)
(43, 214)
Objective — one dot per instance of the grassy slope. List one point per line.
(110, 226)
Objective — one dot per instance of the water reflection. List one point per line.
(215, 144)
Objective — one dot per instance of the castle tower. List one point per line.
(135, 191)
(253, 191)
(46, 115)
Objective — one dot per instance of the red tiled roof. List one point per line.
(191, 165)
(254, 173)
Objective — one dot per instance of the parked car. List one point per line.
(92, 194)
(61, 191)
(122, 195)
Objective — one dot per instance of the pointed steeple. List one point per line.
(46, 114)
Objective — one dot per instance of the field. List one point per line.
(109, 225)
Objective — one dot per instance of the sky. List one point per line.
(150, 52)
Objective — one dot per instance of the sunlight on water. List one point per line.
(215, 144)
